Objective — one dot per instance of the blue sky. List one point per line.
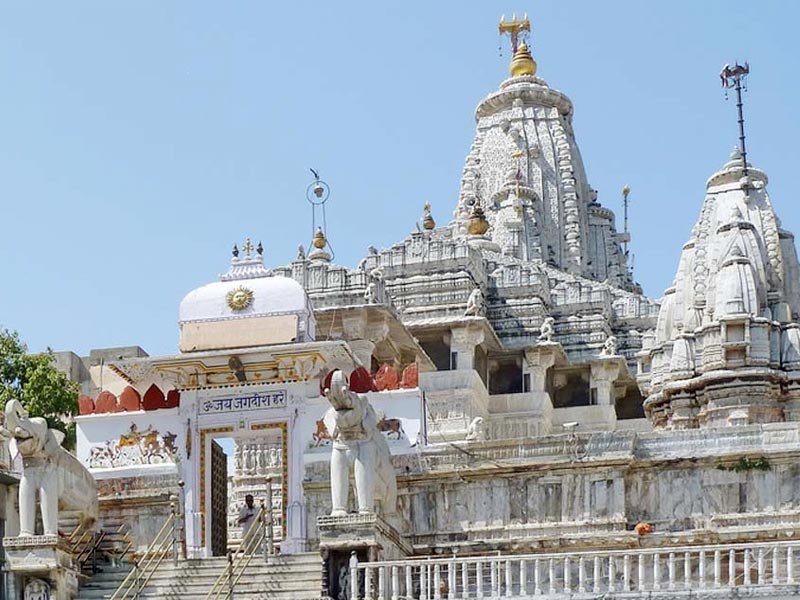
(140, 140)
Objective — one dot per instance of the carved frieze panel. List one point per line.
(137, 447)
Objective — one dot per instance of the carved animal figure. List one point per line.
(474, 303)
(104, 456)
(321, 434)
(150, 445)
(609, 347)
(59, 478)
(547, 330)
(169, 443)
(391, 426)
(357, 443)
(475, 430)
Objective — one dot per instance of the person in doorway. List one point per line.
(247, 515)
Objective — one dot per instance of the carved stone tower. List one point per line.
(525, 171)
(727, 341)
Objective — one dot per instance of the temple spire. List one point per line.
(733, 77)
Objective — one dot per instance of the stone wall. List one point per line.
(584, 491)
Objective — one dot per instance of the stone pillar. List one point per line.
(463, 341)
(363, 350)
(295, 541)
(363, 336)
(604, 374)
(538, 360)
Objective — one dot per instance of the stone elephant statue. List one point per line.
(59, 479)
(357, 442)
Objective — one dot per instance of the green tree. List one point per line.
(33, 380)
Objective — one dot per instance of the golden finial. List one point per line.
(319, 239)
(477, 225)
(522, 63)
(427, 218)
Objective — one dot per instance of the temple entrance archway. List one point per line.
(255, 462)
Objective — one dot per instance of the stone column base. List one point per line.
(45, 558)
(367, 535)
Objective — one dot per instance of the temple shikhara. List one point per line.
(490, 407)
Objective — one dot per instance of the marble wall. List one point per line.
(580, 491)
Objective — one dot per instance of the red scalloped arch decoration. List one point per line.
(130, 400)
(85, 405)
(387, 378)
(154, 398)
(106, 402)
(410, 378)
(361, 381)
(173, 399)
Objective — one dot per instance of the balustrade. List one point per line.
(665, 570)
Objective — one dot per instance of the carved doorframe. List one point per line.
(204, 474)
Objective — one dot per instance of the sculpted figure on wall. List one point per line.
(357, 443)
(36, 589)
(49, 470)
(547, 330)
(475, 431)
(475, 304)
(609, 347)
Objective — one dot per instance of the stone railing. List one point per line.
(768, 569)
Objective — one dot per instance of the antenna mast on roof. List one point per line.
(734, 77)
(317, 194)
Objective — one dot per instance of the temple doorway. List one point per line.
(255, 467)
(219, 500)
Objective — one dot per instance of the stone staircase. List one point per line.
(111, 540)
(295, 577)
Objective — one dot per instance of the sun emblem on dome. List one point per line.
(239, 298)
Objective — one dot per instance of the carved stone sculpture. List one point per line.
(475, 304)
(609, 347)
(371, 293)
(547, 330)
(37, 589)
(475, 431)
(49, 470)
(357, 443)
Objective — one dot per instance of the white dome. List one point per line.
(270, 296)
(247, 307)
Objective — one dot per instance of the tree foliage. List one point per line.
(33, 380)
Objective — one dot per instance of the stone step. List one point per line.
(312, 593)
(239, 595)
(295, 577)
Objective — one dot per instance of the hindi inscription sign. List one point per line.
(256, 401)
